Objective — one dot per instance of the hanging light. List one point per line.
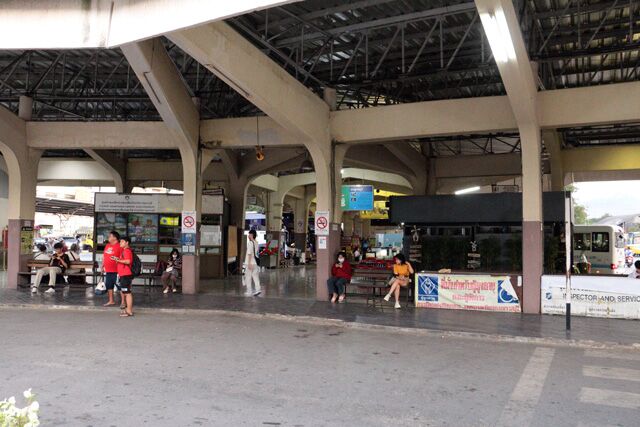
(306, 165)
(259, 148)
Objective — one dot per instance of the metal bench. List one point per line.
(35, 265)
(371, 280)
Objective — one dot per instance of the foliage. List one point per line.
(514, 253)
(12, 416)
(490, 249)
(580, 215)
(551, 255)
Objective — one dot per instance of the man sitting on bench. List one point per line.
(57, 265)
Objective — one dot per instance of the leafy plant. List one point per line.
(13, 416)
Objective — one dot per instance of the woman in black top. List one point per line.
(172, 272)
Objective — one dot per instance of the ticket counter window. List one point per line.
(106, 222)
(143, 228)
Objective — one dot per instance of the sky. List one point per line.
(609, 197)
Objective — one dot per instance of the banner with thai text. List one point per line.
(466, 292)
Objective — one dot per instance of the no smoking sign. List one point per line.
(322, 223)
(188, 222)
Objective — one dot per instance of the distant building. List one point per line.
(624, 221)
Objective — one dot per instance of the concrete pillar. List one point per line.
(532, 221)
(192, 201)
(553, 142)
(348, 223)
(432, 182)
(237, 196)
(22, 200)
(25, 107)
(326, 182)
(300, 223)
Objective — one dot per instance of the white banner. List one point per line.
(129, 203)
(593, 296)
(466, 292)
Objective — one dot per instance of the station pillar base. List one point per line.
(190, 274)
(325, 258)
(16, 260)
(532, 265)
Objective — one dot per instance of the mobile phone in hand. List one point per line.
(114, 258)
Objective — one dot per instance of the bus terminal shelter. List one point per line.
(294, 96)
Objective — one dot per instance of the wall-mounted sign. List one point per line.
(189, 222)
(322, 223)
(357, 198)
(188, 242)
(26, 240)
(137, 203)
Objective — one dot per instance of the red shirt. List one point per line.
(110, 250)
(344, 272)
(124, 269)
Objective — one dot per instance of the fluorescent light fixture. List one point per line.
(497, 30)
(467, 190)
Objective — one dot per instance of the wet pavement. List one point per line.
(290, 293)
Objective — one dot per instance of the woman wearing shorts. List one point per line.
(125, 276)
(402, 271)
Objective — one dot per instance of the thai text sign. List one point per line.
(466, 292)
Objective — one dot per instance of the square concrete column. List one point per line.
(532, 221)
(325, 259)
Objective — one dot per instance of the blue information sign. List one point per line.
(357, 198)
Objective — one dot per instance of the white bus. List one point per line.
(602, 245)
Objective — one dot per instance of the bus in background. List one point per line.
(602, 246)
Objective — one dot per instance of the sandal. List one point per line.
(341, 298)
(109, 304)
(125, 314)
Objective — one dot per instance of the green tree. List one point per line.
(580, 215)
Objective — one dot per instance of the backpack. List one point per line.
(136, 265)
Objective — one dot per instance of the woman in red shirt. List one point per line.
(340, 276)
(110, 267)
(125, 276)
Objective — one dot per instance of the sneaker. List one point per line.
(397, 305)
(174, 290)
(387, 297)
(256, 293)
(34, 290)
(50, 291)
(165, 291)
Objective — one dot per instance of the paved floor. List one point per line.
(91, 368)
(286, 299)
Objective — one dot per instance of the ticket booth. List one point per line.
(154, 224)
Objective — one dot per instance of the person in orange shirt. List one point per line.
(402, 272)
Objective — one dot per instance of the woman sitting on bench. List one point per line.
(402, 271)
(170, 276)
(340, 275)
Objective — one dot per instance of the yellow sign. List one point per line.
(26, 240)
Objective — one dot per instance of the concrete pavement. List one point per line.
(91, 368)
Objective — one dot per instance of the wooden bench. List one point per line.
(89, 268)
(376, 281)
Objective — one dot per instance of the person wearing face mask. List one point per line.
(340, 275)
(170, 276)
